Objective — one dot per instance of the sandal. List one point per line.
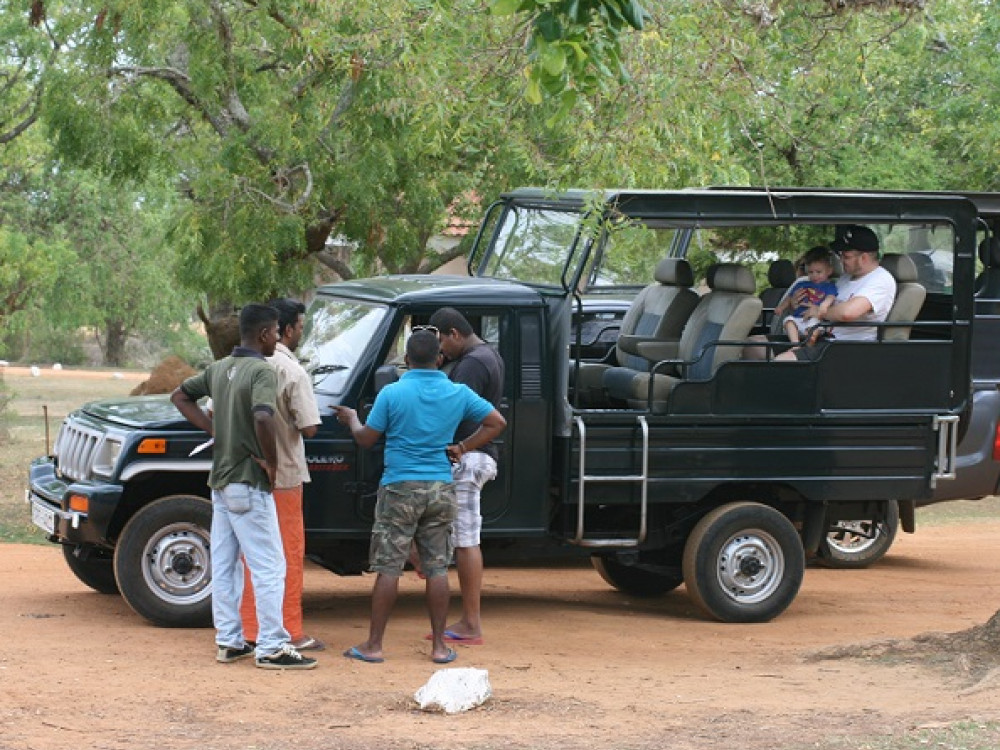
(308, 643)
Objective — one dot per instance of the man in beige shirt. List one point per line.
(297, 417)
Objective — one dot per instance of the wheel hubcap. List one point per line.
(751, 566)
(177, 564)
(854, 536)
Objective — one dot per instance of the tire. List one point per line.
(163, 565)
(95, 568)
(858, 544)
(744, 562)
(633, 580)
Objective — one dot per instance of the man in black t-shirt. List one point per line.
(479, 366)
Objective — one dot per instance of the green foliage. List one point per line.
(46, 343)
(217, 146)
(574, 46)
(81, 249)
(28, 271)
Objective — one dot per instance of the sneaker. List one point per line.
(286, 658)
(228, 654)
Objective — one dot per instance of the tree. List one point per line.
(371, 120)
(24, 57)
(79, 250)
(28, 271)
(126, 277)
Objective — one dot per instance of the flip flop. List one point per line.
(309, 644)
(450, 636)
(353, 653)
(448, 659)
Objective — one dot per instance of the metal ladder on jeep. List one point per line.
(584, 479)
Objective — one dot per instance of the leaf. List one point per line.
(634, 14)
(547, 24)
(505, 7)
(579, 52)
(553, 59)
(567, 101)
(533, 92)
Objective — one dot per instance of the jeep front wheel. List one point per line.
(163, 565)
(743, 562)
(95, 568)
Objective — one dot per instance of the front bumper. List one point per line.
(49, 498)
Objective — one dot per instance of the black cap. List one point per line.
(855, 237)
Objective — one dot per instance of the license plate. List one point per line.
(43, 517)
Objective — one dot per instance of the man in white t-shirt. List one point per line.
(865, 292)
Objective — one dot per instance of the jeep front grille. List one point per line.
(74, 449)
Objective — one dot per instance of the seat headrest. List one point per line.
(902, 268)
(732, 277)
(781, 273)
(989, 252)
(675, 272)
(838, 267)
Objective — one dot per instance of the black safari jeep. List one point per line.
(859, 543)
(674, 460)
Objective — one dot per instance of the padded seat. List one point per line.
(658, 313)
(726, 313)
(780, 276)
(988, 281)
(910, 295)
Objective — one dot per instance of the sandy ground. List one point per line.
(89, 374)
(573, 664)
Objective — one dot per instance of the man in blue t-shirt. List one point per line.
(416, 497)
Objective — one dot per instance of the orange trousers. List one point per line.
(288, 503)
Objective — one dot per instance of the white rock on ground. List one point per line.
(455, 690)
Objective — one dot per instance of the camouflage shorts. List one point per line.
(421, 512)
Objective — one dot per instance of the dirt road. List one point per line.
(573, 664)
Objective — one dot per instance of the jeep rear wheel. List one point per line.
(163, 565)
(93, 567)
(744, 562)
(630, 579)
(858, 544)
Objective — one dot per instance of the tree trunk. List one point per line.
(222, 327)
(115, 338)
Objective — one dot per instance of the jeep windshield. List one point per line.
(541, 244)
(531, 244)
(337, 333)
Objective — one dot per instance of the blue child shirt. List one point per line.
(418, 415)
(815, 293)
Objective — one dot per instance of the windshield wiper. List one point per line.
(326, 369)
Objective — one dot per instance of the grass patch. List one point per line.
(959, 511)
(963, 735)
(22, 435)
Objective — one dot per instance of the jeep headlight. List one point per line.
(107, 455)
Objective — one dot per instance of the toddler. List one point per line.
(815, 288)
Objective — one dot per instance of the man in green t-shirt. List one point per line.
(243, 388)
